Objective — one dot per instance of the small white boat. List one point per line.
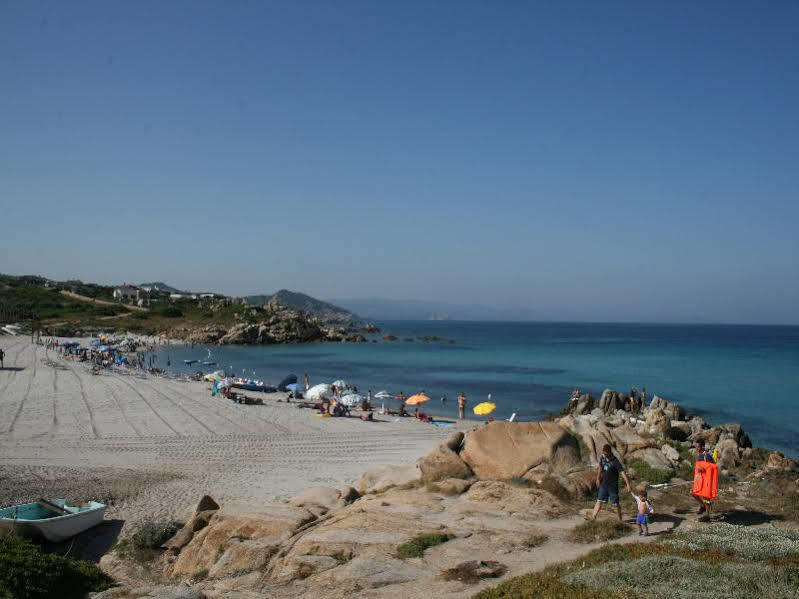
(54, 519)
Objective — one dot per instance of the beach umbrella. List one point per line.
(351, 400)
(485, 408)
(318, 392)
(339, 384)
(383, 395)
(295, 388)
(415, 400)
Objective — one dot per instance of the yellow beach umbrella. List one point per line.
(484, 408)
(415, 400)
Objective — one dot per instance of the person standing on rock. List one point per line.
(462, 405)
(607, 479)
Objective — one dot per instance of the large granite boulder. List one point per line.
(652, 456)
(230, 531)
(503, 450)
(380, 478)
(442, 463)
(657, 423)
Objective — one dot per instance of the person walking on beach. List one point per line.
(702, 455)
(306, 381)
(462, 405)
(607, 479)
(643, 397)
(2, 356)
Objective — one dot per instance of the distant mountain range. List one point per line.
(389, 309)
(326, 311)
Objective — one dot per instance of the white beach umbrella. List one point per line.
(351, 400)
(318, 392)
(383, 395)
(339, 384)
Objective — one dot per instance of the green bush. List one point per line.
(416, 546)
(171, 312)
(28, 573)
(646, 472)
(154, 534)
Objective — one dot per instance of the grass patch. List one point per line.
(474, 571)
(598, 530)
(417, 546)
(646, 472)
(756, 544)
(695, 567)
(534, 540)
(340, 557)
(28, 573)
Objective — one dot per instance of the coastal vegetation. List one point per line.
(26, 572)
(592, 531)
(417, 546)
(719, 560)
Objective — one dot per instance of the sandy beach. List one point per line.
(151, 446)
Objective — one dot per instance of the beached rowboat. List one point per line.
(54, 519)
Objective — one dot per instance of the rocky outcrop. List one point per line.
(504, 450)
(442, 463)
(238, 538)
(380, 478)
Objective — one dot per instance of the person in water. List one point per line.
(462, 405)
(607, 479)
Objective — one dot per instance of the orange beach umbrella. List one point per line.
(415, 400)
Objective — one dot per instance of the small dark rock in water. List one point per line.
(390, 338)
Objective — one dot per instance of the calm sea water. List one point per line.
(748, 374)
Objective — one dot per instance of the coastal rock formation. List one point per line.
(504, 450)
(442, 463)
(378, 479)
(238, 538)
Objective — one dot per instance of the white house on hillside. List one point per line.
(129, 292)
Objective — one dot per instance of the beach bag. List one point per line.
(706, 481)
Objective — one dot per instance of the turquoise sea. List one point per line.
(747, 374)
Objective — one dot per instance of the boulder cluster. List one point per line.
(272, 324)
(649, 433)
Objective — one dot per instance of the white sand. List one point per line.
(153, 446)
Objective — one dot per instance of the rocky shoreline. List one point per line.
(273, 323)
(488, 497)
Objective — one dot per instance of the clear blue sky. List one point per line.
(589, 160)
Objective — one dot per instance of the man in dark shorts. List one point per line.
(607, 479)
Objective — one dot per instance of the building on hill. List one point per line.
(127, 292)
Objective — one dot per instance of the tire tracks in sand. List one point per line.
(85, 402)
(10, 430)
(149, 405)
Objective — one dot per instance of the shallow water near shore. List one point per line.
(747, 374)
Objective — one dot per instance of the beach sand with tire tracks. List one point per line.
(152, 446)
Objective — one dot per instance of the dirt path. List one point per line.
(92, 300)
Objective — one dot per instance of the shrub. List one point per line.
(598, 530)
(554, 486)
(535, 540)
(154, 534)
(171, 312)
(28, 573)
(417, 546)
(650, 474)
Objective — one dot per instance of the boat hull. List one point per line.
(53, 529)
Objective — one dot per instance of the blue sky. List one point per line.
(587, 160)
